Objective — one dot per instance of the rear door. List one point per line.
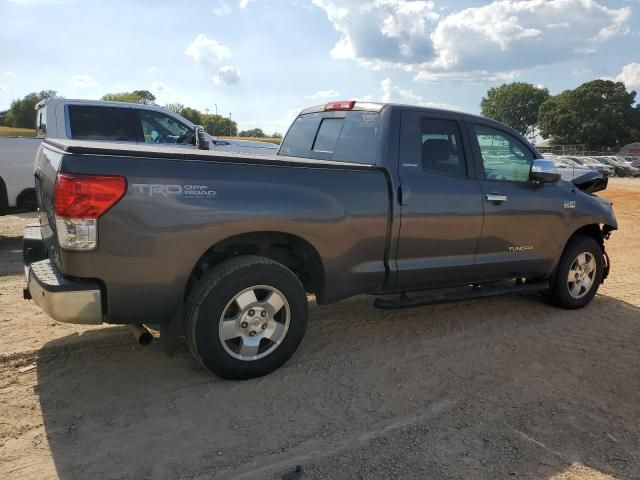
(524, 221)
(441, 203)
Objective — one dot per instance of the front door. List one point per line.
(523, 221)
(440, 203)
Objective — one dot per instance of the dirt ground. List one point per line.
(499, 388)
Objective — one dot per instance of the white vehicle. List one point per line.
(97, 120)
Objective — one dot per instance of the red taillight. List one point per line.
(344, 105)
(87, 196)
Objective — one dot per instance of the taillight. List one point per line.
(344, 105)
(79, 201)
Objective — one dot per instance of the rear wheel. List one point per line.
(578, 275)
(246, 317)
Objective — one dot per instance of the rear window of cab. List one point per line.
(340, 136)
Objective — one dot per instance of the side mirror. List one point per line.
(202, 140)
(544, 171)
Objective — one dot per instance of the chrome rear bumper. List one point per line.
(63, 299)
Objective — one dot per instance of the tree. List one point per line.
(276, 135)
(193, 115)
(137, 96)
(22, 112)
(254, 132)
(515, 104)
(597, 113)
(175, 108)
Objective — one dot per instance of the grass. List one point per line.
(16, 132)
(276, 141)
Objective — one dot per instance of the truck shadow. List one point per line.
(523, 388)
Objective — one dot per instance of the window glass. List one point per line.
(101, 123)
(504, 156)
(351, 136)
(158, 127)
(441, 147)
(328, 135)
(300, 137)
(41, 122)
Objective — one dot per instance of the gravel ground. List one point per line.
(498, 388)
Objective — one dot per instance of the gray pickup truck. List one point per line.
(361, 198)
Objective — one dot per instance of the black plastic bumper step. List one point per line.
(456, 294)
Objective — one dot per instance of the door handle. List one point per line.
(403, 195)
(495, 197)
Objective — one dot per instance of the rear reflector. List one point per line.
(87, 196)
(344, 105)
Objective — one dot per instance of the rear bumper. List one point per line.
(63, 299)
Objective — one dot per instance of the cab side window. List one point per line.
(442, 148)
(158, 127)
(504, 156)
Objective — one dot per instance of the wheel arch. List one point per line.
(291, 250)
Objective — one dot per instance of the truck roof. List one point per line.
(78, 101)
(356, 105)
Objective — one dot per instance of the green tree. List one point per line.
(174, 107)
(254, 132)
(515, 104)
(276, 135)
(193, 115)
(137, 96)
(597, 113)
(22, 112)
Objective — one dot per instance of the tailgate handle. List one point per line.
(496, 197)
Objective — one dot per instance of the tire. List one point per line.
(4, 199)
(577, 294)
(259, 300)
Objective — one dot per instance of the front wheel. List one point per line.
(246, 317)
(578, 275)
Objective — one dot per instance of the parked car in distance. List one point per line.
(102, 121)
(621, 167)
(361, 198)
(569, 170)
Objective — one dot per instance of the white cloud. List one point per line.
(227, 75)
(3, 87)
(516, 34)
(151, 69)
(394, 94)
(465, 76)
(207, 51)
(630, 75)
(244, 3)
(478, 43)
(83, 80)
(380, 33)
(324, 95)
(10, 74)
(221, 9)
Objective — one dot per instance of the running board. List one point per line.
(456, 294)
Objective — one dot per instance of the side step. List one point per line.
(471, 292)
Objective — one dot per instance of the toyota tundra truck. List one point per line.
(412, 205)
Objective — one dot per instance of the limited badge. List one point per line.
(569, 204)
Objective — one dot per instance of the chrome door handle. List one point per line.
(495, 197)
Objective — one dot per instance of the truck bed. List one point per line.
(151, 240)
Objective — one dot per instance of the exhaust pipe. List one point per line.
(140, 334)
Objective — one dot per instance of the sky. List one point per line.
(263, 61)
